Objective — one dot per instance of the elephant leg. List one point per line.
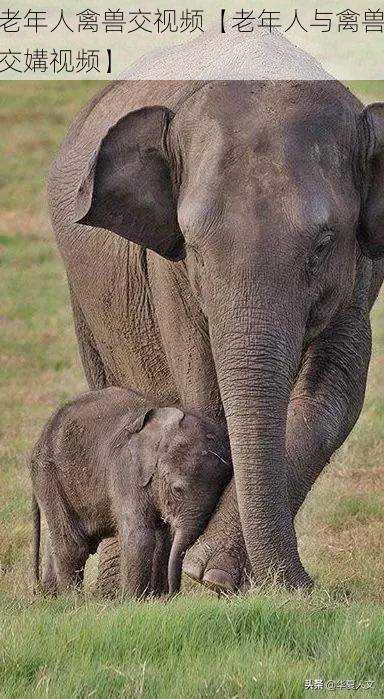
(93, 367)
(137, 545)
(327, 400)
(70, 559)
(219, 558)
(108, 577)
(325, 404)
(70, 574)
(49, 578)
(159, 582)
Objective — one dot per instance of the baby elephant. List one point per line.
(106, 463)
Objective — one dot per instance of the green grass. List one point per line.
(362, 510)
(265, 644)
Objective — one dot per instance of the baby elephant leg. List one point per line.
(138, 544)
(49, 578)
(68, 552)
(70, 559)
(159, 581)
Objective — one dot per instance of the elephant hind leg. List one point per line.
(70, 558)
(93, 366)
(64, 571)
(49, 578)
(108, 578)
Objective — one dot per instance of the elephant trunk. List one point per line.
(257, 354)
(180, 544)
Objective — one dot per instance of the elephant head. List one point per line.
(267, 192)
(187, 461)
(193, 468)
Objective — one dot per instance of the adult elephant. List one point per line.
(249, 220)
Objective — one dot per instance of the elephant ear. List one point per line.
(371, 228)
(128, 186)
(137, 424)
(147, 444)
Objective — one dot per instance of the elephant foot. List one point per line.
(215, 566)
(219, 559)
(108, 579)
(224, 566)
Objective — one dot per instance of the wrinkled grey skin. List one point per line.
(250, 227)
(107, 463)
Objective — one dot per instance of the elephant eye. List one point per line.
(324, 244)
(177, 490)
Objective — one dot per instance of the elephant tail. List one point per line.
(36, 539)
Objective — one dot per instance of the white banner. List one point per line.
(274, 40)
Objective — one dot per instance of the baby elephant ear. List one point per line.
(128, 187)
(138, 422)
(371, 228)
(143, 446)
(146, 444)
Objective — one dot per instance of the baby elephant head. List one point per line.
(194, 467)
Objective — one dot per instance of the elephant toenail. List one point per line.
(219, 580)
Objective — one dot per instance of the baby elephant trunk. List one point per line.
(180, 545)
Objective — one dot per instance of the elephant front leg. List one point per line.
(159, 581)
(219, 558)
(327, 400)
(325, 404)
(137, 545)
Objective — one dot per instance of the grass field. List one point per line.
(265, 645)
